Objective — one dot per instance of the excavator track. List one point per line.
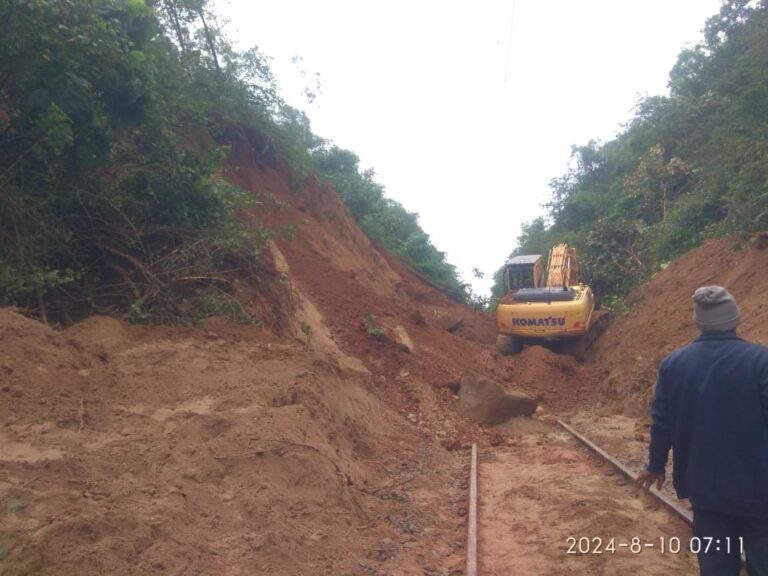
(578, 346)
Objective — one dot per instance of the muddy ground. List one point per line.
(548, 506)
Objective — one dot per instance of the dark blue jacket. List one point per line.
(711, 408)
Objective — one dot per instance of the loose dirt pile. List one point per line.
(630, 351)
(129, 450)
(415, 341)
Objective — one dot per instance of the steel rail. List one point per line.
(673, 506)
(472, 524)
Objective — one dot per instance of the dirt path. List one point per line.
(542, 489)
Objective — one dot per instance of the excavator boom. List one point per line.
(563, 269)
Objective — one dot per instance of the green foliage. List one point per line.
(288, 231)
(306, 329)
(372, 328)
(14, 505)
(687, 167)
(110, 194)
(499, 287)
(215, 302)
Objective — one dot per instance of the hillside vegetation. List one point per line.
(113, 123)
(688, 166)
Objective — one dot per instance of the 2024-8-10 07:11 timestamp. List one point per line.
(662, 545)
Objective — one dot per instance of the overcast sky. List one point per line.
(466, 110)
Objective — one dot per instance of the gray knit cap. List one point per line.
(715, 309)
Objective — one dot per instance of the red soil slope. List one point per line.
(631, 349)
(348, 278)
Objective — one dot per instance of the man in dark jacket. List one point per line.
(711, 408)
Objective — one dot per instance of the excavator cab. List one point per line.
(524, 272)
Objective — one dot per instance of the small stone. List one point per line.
(190, 474)
(451, 444)
(386, 549)
(228, 495)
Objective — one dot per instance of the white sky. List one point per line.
(466, 110)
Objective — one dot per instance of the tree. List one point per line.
(657, 182)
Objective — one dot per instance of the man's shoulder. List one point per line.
(751, 348)
(757, 348)
(677, 354)
(684, 350)
(691, 349)
(756, 351)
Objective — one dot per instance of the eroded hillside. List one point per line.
(329, 438)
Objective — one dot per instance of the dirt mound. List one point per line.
(212, 451)
(557, 381)
(661, 321)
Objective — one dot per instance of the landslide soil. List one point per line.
(315, 442)
(327, 439)
(219, 450)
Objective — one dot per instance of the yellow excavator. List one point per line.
(551, 304)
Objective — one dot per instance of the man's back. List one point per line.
(712, 398)
(711, 408)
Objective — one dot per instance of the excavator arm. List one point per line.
(563, 270)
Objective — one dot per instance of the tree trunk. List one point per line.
(171, 7)
(209, 40)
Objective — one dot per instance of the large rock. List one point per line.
(488, 403)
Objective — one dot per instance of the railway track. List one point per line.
(529, 505)
(674, 507)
